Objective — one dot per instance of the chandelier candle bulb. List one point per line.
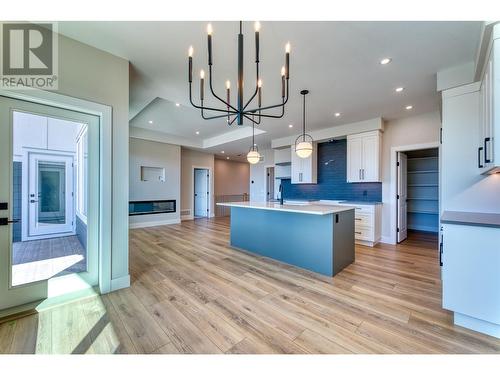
(287, 60)
(257, 29)
(209, 32)
(228, 95)
(283, 82)
(202, 84)
(190, 58)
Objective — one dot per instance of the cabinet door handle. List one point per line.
(363, 173)
(360, 174)
(479, 165)
(486, 140)
(441, 252)
(357, 232)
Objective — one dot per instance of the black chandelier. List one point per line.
(241, 110)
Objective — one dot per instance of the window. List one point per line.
(82, 173)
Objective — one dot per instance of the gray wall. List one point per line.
(88, 73)
(155, 154)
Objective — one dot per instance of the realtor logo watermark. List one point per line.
(29, 55)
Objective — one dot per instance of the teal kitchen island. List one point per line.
(315, 237)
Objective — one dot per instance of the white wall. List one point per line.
(40, 132)
(258, 176)
(231, 177)
(154, 154)
(91, 74)
(191, 159)
(419, 129)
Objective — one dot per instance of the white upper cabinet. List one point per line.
(488, 149)
(304, 171)
(363, 157)
(282, 156)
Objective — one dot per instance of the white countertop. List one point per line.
(471, 218)
(313, 209)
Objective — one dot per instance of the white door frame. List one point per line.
(210, 184)
(25, 192)
(104, 113)
(393, 184)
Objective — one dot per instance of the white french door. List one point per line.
(402, 230)
(201, 192)
(51, 194)
(50, 185)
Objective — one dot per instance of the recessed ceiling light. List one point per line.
(409, 107)
(197, 133)
(222, 152)
(227, 158)
(150, 121)
(177, 104)
(385, 61)
(290, 126)
(399, 89)
(337, 114)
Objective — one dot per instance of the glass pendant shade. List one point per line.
(253, 156)
(304, 149)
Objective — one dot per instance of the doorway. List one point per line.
(417, 193)
(201, 192)
(49, 188)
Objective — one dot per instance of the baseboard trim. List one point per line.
(120, 283)
(478, 325)
(387, 240)
(147, 224)
(187, 217)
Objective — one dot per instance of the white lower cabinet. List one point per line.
(367, 223)
(471, 276)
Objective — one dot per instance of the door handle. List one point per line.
(441, 252)
(6, 221)
(479, 165)
(33, 201)
(486, 140)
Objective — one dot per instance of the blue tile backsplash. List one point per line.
(332, 179)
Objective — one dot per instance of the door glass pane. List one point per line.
(50, 171)
(51, 193)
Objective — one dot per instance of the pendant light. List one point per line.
(253, 155)
(304, 142)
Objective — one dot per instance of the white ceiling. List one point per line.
(337, 61)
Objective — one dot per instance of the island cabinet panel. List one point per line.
(471, 276)
(319, 243)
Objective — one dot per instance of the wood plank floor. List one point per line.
(192, 293)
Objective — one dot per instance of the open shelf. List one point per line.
(423, 185)
(422, 199)
(424, 171)
(423, 191)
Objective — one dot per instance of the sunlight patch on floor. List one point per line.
(42, 269)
